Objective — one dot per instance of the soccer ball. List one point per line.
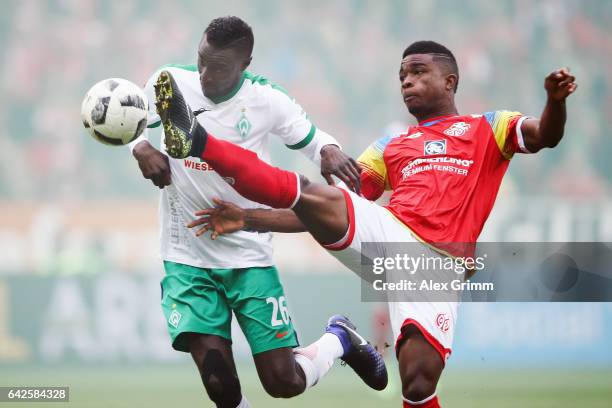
(114, 111)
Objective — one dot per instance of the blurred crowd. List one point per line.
(338, 59)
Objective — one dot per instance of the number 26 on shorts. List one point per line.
(279, 305)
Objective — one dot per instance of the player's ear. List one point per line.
(451, 82)
(246, 63)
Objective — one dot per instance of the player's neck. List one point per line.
(450, 110)
(229, 94)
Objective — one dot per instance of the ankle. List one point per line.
(198, 143)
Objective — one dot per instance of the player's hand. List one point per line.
(560, 84)
(335, 162)
(225, 218)
(153, 164)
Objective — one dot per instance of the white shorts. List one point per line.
(369, 222)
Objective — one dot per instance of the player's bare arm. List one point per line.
(548, 130)
(227, 217)
(335, 162)
(153, 164)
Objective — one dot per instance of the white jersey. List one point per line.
(247, 116)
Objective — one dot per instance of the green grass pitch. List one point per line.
(178, 385)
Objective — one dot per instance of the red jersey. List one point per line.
(445, 173)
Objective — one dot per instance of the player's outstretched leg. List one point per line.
(321, 208)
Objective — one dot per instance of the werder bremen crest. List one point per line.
(243, 126)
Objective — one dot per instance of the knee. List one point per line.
(418, 388)
(280, 383)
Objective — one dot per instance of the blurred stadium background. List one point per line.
(79, 269)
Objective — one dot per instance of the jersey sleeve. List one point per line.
(153, 119)
(374, 179)
(506, 126)
(292, 125)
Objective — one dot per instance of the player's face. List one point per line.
(220, 69)
(425, 88)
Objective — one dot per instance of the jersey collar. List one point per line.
(230, 94)
(437, 119)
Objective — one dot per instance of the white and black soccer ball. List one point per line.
(114, 111)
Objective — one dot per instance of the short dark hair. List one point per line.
(440, 54)
(230, 31)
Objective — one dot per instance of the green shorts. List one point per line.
(201, 300)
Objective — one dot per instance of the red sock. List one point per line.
(432, 403)
(253, 178)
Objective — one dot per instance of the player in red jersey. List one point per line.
(445, 173)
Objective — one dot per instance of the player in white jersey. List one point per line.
(207, 280)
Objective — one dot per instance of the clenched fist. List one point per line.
(560, 84)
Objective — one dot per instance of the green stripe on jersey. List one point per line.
(304, 141)
(261, 80)
(154, 125)
(186, 67)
